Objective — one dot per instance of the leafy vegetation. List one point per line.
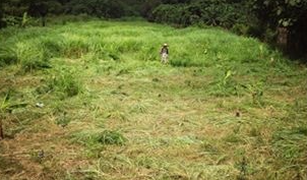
(215, 13)
(289, 14)
(91, 100)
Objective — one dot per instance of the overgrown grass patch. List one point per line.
(7, 55)
(65, 83)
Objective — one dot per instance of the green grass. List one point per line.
(225, 107)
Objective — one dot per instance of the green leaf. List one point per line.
(279, 11)
(285, 23)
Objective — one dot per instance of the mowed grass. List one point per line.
(224, 107)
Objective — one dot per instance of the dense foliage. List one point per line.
(2, 23)
(290, 14)
(106, 8)
(100, 8)
(258, 18)
(209, 12)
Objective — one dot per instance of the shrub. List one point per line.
(12, 20)
(216, 13)
(99, 8)
(168, 14)
(55, 7)
(240, 29)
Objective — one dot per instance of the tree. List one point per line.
(288, 14)
(148, 8)
(2, 23)
(210, 12)
(99, 8)
(39, 9)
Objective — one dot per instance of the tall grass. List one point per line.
(31, 56)
(65, 83)
(188, 47)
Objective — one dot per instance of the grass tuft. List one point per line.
(108, 137)
(65, 83)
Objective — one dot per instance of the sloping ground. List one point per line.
(92, 101)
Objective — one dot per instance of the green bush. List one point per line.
(240, 29)
(169, 14)
(216, 13)
(12, 20)
(99, 8)
(55, 8)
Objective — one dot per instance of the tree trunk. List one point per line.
(282, 38)
(298, 39)
(43, 21)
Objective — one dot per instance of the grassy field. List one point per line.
(91, 100)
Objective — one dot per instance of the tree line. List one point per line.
(280, 21)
